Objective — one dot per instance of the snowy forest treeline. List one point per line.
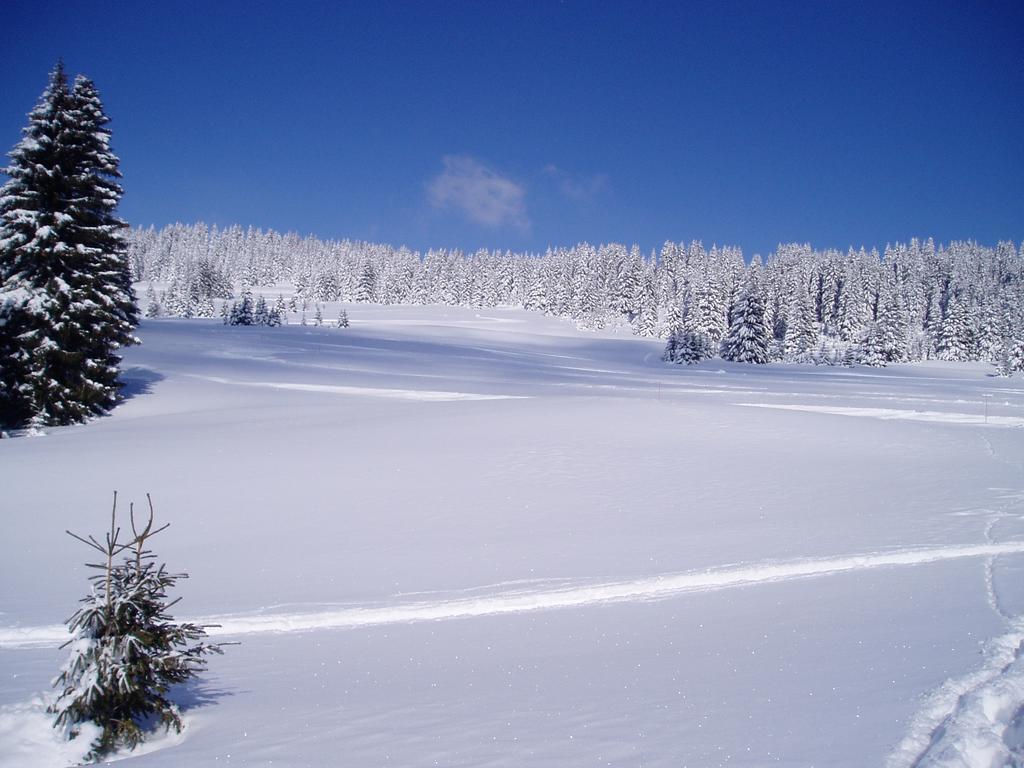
(914, 301)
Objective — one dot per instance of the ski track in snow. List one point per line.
(545, 598)
(335, 389)
(974, 419)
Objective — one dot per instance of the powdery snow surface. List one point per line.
(482, 538)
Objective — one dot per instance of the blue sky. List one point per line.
(527, 124)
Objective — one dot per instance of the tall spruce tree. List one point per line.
(747, 340)
(884, 341)
(801, 337)
(956, 339)
(66, 300)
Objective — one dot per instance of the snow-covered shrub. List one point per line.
(125, 651)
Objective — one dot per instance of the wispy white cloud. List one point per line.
(579, 188)
(478, 192)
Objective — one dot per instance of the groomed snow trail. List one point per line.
(547, 598)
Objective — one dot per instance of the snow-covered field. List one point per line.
(463, 537)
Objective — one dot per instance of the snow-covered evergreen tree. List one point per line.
(343, 319)
(280, 309)
(261, 313)
(152, 303)
(884, 340)
(801, 337)
(536, 296)
(747, 340)
(956, 340)
(708, 314)
(627, 295)
(871, 349)
(243, 310)
(671, 346)
(1011, 357)
(646, 322)
(102, 232)
(989, 337)
(125, 649)
(205, 307)
(66, 299)
(367, 285)
(687, 347)
(850, 356)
